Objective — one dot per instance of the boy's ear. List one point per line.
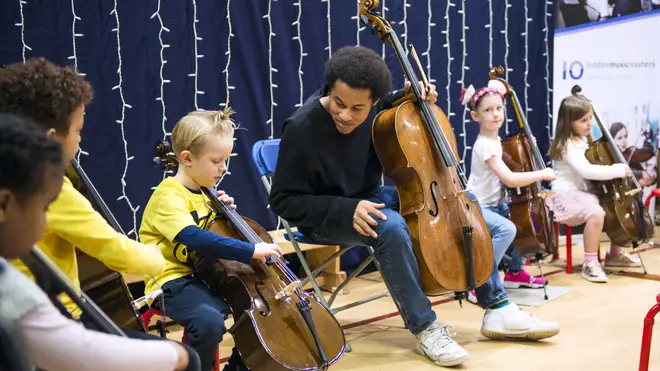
(5, 197)
(475, 115)
(185, 157)
(51, 132)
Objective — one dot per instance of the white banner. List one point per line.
(617, 64)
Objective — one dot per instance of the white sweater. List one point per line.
(574, 171)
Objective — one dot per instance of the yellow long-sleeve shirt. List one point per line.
(73, 223)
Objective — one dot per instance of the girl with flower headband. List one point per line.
(489, 173)
(574, 201)
(503, 319)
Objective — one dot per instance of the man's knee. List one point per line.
(394, 226)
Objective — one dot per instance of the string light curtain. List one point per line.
(151, 62)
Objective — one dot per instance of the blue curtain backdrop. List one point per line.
(118, 46)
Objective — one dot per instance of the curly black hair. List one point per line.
(26, 152)
(44, 91)
(360, 68)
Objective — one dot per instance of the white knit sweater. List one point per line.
(574, 170)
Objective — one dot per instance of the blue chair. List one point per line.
(264, 155)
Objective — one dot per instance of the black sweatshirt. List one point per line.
(321, 174)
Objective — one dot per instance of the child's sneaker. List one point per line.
(522, 279)
(593, 271)
(437, 344)
(623, 260)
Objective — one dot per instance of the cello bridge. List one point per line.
(288, 290)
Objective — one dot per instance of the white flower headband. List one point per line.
(469, 94)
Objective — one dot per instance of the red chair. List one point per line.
(649, 320)
(654, 193)
(647, 334)
(569, 248)
(146, 319)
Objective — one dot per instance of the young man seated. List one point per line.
(328, 183)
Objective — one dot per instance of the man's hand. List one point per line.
(362, 220)
(432, 95)
(223, 197)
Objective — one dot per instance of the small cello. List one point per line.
(277, 325)
(527, 210)
(416, 145)
(626, 219)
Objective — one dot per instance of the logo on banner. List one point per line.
(574, 70)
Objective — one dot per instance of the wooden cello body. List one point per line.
(277, 325)
(416, 145)
(626, 219)
(527, 208)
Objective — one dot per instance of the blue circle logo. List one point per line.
(575, 70)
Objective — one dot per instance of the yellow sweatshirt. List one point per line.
(73, 223)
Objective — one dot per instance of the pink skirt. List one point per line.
(574, 207)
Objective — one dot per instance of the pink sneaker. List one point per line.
(522, 279)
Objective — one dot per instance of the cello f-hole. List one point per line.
(434, 211)
(267, 311)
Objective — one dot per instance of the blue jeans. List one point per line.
(394, 252)
(516, 263)
(190, 303)
(502, 231)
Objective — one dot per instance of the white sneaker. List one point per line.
(509, 322)
(623, 260)
(593, 271)
(437, 344)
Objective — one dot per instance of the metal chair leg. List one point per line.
(304, 264)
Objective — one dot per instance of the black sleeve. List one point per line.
(388, 100)
(292, 196)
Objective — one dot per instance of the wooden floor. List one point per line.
(601, 327)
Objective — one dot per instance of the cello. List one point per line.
(527, 209)
(626, 219)
(416, 145)
(277, 325)
(103, 285)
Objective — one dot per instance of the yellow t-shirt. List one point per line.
(72, 222)
(171, 208)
